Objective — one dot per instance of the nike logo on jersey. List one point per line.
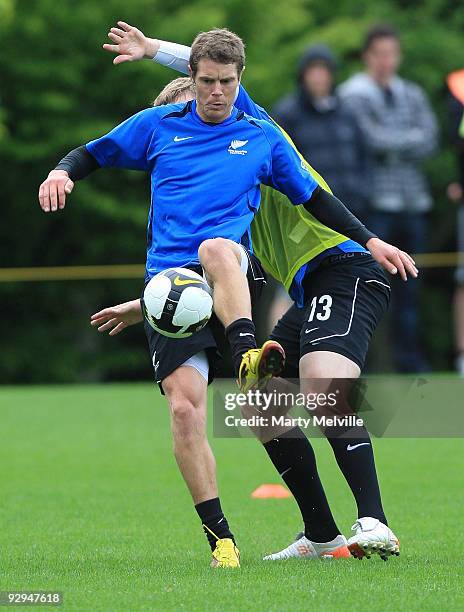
(180, 139)
(350, 447)
(189, 281)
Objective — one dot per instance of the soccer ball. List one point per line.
(177, 302)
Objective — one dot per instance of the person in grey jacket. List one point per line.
(400, 131)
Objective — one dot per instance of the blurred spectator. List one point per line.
(455, 82)
(326, 133)
(400, 131)
(324, 130)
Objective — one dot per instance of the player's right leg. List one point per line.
(182, 369)
(237, 279)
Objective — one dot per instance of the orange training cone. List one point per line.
(267, 491)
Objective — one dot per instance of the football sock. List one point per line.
(353, 451)
(241, 337)
(293, 457)
(211, 516)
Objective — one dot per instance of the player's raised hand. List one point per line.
(53, 191)
(130, 44)
(117, 318)
(392, 259)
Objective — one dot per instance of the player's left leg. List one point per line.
(293, 457)
(186, 392)
(237, 280)
(354, 454)
(183, 367)
(346, 299)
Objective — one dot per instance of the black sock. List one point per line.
(211, 515)
(353, 451)
(293, 457)
(241, 337)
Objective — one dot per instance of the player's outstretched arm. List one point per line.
(130, 44)
(332, 212)
(117, 318)
(76, 165)
(391, 258)
(53, 191)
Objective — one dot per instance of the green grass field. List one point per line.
(92, 505)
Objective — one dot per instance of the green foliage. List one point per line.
(58, 89)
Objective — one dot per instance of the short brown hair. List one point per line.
(376, 32)
(173, 90)
(219, 45)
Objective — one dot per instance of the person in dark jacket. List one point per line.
(324, 130)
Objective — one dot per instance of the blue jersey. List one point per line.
(205, 177)
(246, 103)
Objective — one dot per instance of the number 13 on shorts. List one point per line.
(320, 308)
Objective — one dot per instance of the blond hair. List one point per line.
(174, 89)
(219, 45)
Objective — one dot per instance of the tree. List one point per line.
(60, 89)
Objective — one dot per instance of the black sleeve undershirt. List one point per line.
(330, 211)
(78, 163)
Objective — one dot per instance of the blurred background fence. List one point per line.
(59, 89)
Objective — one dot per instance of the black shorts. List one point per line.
(167, 354)
(345, 298)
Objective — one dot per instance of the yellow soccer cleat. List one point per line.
(226, 554)
(259, 365)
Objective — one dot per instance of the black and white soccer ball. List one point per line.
(177, 302)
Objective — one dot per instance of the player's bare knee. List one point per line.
(186, 418)
(182, 410)
(216, 255)
(185, 405)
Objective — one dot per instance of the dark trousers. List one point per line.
(408, 231)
